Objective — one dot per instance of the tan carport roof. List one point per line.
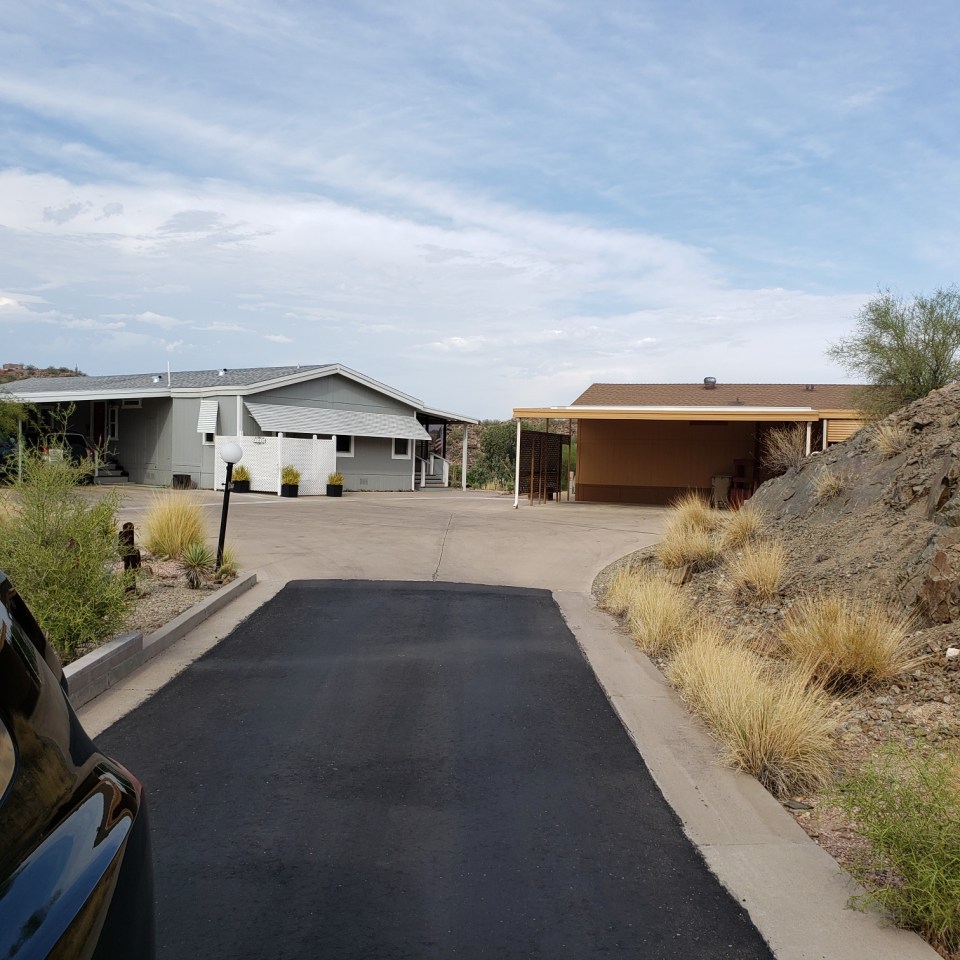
(695, 401)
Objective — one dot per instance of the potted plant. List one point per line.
(335, 484)
(289, 481)
(241, 479)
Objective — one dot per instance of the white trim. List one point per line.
(239, 415)
(463, 465)
(393, 449)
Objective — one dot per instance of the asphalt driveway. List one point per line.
(411, 770)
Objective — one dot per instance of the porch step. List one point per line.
(433, 482)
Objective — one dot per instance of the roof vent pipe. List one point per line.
(709, 383)
(221, 371)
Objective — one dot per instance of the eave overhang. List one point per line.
(735, 413)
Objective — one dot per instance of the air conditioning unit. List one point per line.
(131, 404)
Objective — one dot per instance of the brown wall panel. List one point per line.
(657, 455)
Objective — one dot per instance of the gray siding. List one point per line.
(373, 468)
(187, 443)
(335, 392)
(145, 443)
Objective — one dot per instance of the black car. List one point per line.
(76, 876)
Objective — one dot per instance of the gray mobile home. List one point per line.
(164, 428)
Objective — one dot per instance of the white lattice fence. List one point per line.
(264, 457)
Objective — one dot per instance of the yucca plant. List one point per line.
(240, 472)
(290, 475)
(198, 561)
(335, 479)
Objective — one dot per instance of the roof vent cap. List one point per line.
(809, 388)
(221, 371)
(156, 378)
(709, 383)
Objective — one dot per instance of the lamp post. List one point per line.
(230, 453)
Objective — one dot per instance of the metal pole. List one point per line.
(223, 516)
(516, 469)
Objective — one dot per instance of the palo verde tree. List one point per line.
(903, 349)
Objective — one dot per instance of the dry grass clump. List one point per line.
(741, 527)
(770, 723)
(890, 438)
(621, 589)
(844, 642)
(173, 523)
(784, 447)
(829, 483)
(683, 546)
(691, 511)
(757, 571)
(660, 615)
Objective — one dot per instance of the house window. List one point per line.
(401, 448)
(208, 439)
(344, 445)
(113, 423)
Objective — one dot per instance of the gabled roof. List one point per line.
(817, 395)
(200, 383)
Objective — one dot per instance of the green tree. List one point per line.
(903, 349)
(494, 462)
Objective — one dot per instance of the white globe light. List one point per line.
(231, 452)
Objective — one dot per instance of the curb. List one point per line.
(100, 669)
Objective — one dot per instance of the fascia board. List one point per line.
(771, 414)
(447, 415)
(67, 396)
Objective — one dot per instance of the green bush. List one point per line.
(58, 547)
(907, 806)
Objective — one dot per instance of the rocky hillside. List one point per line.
(866, 517)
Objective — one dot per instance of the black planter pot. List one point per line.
(289, 489)
(240, 486)
(334, 489)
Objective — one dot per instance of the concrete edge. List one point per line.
(100, 669)
(796, 894)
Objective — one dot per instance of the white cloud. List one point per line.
(277, 338)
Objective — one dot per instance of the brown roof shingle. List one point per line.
(832, 396)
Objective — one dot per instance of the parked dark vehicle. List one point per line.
(76, 875)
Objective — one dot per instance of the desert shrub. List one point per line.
(58, 548)
(173, 522)
(829, 483)
(844, 642)
(756, 572)
(907, 806)
(198, 561)
(290, 475)
(890, 438)
(659, 614)
(240, 472)
(229, 565)
(741, 527)
(784, 448)
(335, 479)
(769, 722)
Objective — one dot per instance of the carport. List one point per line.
(645, 443)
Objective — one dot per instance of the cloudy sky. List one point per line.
(482, 204)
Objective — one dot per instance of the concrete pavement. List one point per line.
(792, 890)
